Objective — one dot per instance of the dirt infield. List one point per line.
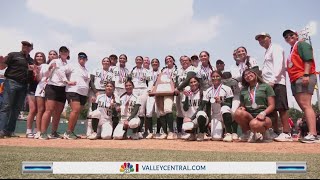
(273, 147)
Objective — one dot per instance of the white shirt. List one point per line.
(274, 69)
(242, 67)
(152, 78)
(194, 103)
(139, 77)
(120, 76)
(182, 74)
(127, 103)
(224, 92)
(43, 75)
(173, 73)
(58, 75)
(80, 75)
(104, 106)
(204, 73)
(101, 77)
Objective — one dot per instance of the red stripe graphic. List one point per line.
(137, 167)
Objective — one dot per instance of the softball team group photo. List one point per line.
(207, 103)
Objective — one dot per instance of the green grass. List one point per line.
(11, 158)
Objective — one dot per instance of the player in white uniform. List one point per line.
(77, 93)
(194, 116)
(151, 105)
(40, 96)
(120, 75)
(55, 93)
(220, 97)
(186, 72)
(165, 103)
(129, 105)
(139, 78)
(99, 78)
(107, 104)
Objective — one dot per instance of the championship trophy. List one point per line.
(164, 86)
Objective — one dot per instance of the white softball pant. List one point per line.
(142, 94)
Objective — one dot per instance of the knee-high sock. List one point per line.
(158, 125)
(164, 124)
(202, 124)
(170, 121)
(179, 124)
(95, 123)
(141, 124)
(115, 121)
(149, 123)
(234, 127)
(227, 119)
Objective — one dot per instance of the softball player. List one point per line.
(100, 77)
(106, 104)
(120, 75)
(220, 97)
(139, 79)
(129, 105)
(194, 116)
(186, 72)
(151, 106)
(165, 103)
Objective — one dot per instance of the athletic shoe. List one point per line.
(37, 135)
(93, 136)
(55, 135)
(44, 136)
(235, 136)
(185, 136)
(30, 135)
(192, 137)
(157, 136)
(140, 135)
(255, 137)
(70, 136)
(171, 136)
(135, 136)
(227, 138)
(200, 137)
(179, 135)
(283, 137)
(310, 139)
(2, 135)
(245, 136)
(163, 136)
(12, 135)
(207, 137)
(216, 138)
(150, 136)
(273, 135)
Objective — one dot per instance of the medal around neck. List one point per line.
(254, 106)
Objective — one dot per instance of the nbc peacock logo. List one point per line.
(128, 168)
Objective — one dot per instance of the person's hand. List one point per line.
(261, 116)
(93, 99)
(186, 119)
(305, 80)
(271, 84)
(118, 109)
(1, 59)
(31, 67)
(218, 99)
(176, 92)
(126, 124)
(72, 83)
(52, 66)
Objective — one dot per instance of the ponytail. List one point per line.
(248, 62)
(210, 66)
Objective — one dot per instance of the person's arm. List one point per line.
(185, 83)
(227, 102)
(134, 111)
(271, 103)
(306, 53)
(91, 84)
(5, 61)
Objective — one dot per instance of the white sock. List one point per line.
(29, 131)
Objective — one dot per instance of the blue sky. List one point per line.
(154, 28)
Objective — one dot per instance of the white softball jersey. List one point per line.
(152, 77)
(79, 74)
(127, 103)
(104, 106)
(43, 80)
(194, 103)
(139, 78)
(222, 91)
(204, 73)
(58, 75)
(120, 76)
(173, 73)
(242, 67)
(101, 77)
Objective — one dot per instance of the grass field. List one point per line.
(11, 158)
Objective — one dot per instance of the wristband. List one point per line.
(263, 113)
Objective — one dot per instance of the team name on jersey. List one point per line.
(194, 102)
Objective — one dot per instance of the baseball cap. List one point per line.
(63, 49)
(262, 34)
(82, 55)
(194, 57)
(28, 43)
(289, 31)
(219, 61)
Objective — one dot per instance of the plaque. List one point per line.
(164, 86)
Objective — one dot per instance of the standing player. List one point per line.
(120, 75)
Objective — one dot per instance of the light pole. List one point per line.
(305, 34)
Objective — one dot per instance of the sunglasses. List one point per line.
(289, 35)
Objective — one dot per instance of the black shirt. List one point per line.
(17, 70)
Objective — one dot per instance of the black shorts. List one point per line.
(71, 96)
(55, 93)
(281, 97)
